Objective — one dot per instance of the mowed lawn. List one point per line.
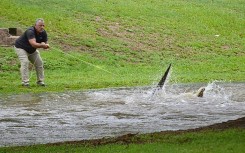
(111, 43)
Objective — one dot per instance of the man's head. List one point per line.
(39, 25)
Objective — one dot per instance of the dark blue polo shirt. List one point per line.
(23, 41)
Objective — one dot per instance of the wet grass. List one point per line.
(230, 140)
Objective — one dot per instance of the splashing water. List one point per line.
(215, 91)
(54, 117)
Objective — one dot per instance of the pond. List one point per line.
(54, 117)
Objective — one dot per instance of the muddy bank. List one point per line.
(238, 123)
(133, 138)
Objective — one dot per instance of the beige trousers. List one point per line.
(25, 58)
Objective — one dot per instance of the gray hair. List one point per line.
(39, 19)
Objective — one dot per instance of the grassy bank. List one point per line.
(97, 44)
(231, 140)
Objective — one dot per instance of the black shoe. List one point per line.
(40, 83)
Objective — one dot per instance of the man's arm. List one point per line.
(38, 45)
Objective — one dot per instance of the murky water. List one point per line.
(54, 117)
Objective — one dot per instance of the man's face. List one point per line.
(39, 26)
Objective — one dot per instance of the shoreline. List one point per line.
(130, 138)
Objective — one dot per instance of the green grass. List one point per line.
(110, 43)
(226, 141)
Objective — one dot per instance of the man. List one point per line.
(26, 48)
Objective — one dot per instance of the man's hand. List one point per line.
(44, 45)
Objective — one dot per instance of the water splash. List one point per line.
(213, 91)
(53, 117)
